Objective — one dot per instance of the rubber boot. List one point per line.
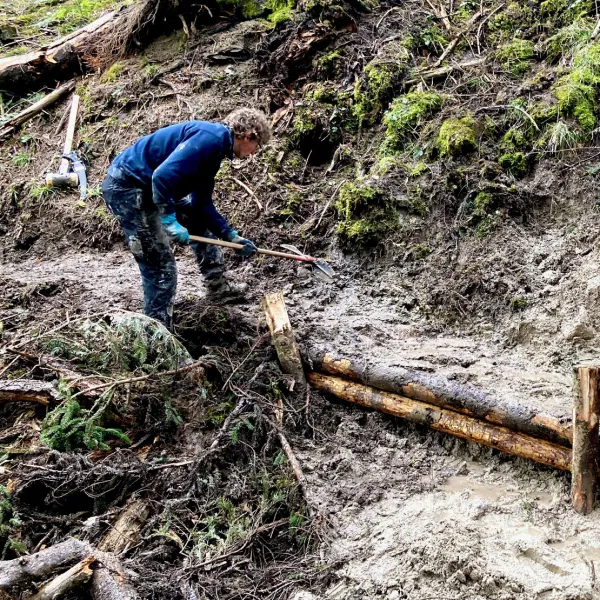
(226, 290)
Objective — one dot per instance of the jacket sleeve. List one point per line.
(193, 160)
(205, 212)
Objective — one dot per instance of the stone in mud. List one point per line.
(578, 328)
(593, 292)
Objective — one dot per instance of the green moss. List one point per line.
(406, 115)
(430, 39)
(418, 169)
(281, 10)
(113, 73)
(457, 136)
(329, 65)
(514, 163)
(543, 113)
(365, 215)
(376, 86)
(587, 65)
(323, 93)
(481, 204)
(518, 303)
(517, 18)
(566, 9)
(516, 56)
(514, 141)
(565, 42)
(293, 202)
(576, 99)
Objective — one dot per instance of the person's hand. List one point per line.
(177, 232)
(249, 248)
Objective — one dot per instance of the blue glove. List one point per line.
(249, 248)
(174, 229)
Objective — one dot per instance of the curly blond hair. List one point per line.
(249, 121)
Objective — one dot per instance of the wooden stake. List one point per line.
(586, 407)
(446, 421)
(283, 338)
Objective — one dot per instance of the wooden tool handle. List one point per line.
(64, 163)
(204, 240)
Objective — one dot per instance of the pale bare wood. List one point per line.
(283, 338)
(71, 579)
(586, 407)
(446, 421)
(444, 393)
(125, 533)
(111, 584)
(68, 145)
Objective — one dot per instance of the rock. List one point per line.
(460, 576)
(578, 328)
(593, 292)
(478, 508)
(551, 277)
(304, 595)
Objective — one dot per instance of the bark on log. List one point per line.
(446, 421)
(71, 579)
(283, 338)
(445, 394)
(30, 112)
(110, 583)
(56, 62)
(42, 565)
(586, 406)
(126, 530)
(27, 390)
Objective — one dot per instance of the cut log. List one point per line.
(283, 338)
(126, 531)
(110, 582)
(586, 406)
(56, 62)
(71, 579)
(11, 126)
(447, 394)
(27, 390)
(40, 566)
(446, 421)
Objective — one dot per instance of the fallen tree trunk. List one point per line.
(110, 584)
(446, 421)
(56, 62)
(445, 394)
(41, 565)
(125, 532)
(67, 581)
(30, 112)
(27, 390)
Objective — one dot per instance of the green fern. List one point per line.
(9, 524)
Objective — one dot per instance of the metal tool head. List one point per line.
(321, 269)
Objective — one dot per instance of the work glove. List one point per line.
(249, 248)
(177, 232)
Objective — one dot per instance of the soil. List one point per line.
(403, 512)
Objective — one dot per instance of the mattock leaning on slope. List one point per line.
(160, 189)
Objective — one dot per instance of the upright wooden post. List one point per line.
(584, 472)
(283, 338)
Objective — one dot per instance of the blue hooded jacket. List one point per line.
(178, 161)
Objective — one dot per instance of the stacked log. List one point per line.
(442, 393)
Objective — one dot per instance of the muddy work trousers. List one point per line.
(149, 244)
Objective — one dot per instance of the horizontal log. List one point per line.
(444, 393)
(71, 579)
(37, 567)
(27, 390)
(446, 421)
(59, 61)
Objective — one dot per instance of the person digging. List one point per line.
(160, 189)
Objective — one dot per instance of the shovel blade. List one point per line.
(323, 271)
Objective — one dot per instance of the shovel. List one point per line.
(320, 268)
